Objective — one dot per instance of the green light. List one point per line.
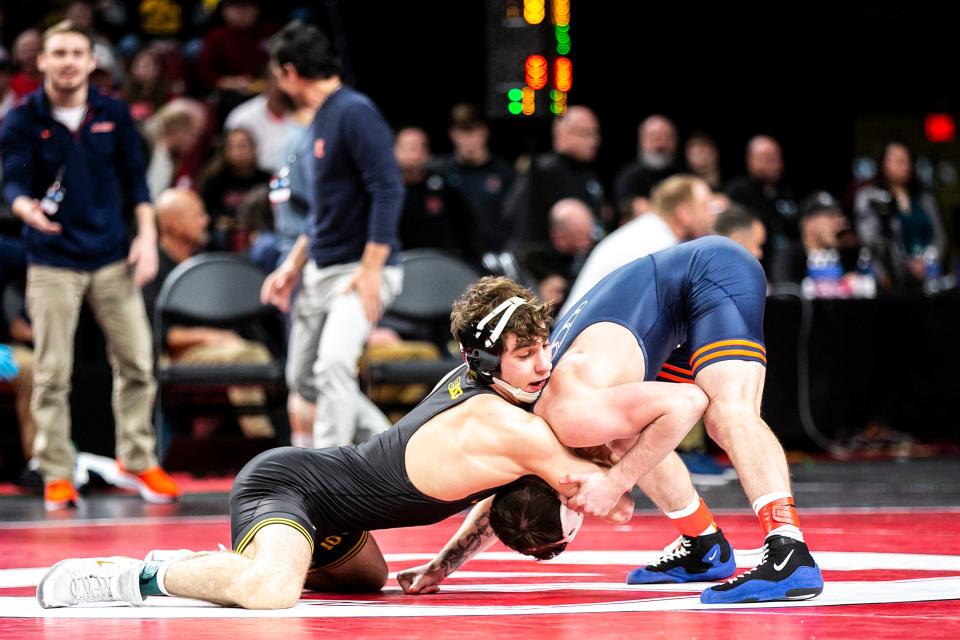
(514, 107)
(562, 28)
(514, 95)
(563, 49)
(555, 94)
(562, 37)
(556, 108)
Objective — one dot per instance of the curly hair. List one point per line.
(530, 322)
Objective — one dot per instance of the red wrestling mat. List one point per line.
(889, 574)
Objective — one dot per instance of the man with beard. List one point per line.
(72, 163)
(656, 161)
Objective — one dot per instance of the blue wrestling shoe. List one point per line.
(786, 572)
(704, 558)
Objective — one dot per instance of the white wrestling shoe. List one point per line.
(165, 555)
(89, 580)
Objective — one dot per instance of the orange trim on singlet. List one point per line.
(727, 343)
(677, 369)
(728, 352)
(673, 378)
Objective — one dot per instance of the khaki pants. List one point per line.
(54, 297)
(238, 352)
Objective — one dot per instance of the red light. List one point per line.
(940, 127)
(536, 72)
(563, 74)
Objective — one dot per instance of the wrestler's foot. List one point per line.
(786, 572)
(90, 580)
(706, 557)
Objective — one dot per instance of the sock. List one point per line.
(778, 515)
(151, 579)
(695, 519)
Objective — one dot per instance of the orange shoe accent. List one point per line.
(153, 484)
(696, 523)
(59, 494)
(778, 513)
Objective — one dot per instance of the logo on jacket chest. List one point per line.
(318, 150)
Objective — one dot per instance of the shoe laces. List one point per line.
(745, 574)
(675, 550)
(90, 588)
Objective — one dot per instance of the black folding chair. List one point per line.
(214, 290)
(432, 280)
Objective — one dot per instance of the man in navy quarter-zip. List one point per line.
(72, 163)
(348, 255)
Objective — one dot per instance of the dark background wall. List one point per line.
(803, 72)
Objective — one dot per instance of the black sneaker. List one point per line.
(786, 572)
(706, 557)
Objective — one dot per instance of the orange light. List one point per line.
(536, 72)
(563, 74)
(528, 101)
(561, 12)
(534, 11)
(940, 127)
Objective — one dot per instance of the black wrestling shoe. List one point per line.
(704, 558)
(786, 572)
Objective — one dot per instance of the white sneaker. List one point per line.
(85, 580)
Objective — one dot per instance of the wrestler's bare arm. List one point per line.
(473, 536)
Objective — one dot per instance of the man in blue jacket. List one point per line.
(72, 165)
(348, 255)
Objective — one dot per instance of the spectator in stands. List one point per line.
(355, 193)
(565, 173)
(289, 188)
(555, 264)
(681, 210)
(173, 132)
(269, 118)
(821, 221)
(78, 249)
(763, 192)
(433, 216)
(224, 183)
(744, 228)
(147, 90)
(234, 56)
(703, 159)
(255, 219)
(656, 161)
(482, 179)
(182, 224)
(899, 221)
(27, 77)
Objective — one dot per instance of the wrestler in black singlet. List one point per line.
(334, 496)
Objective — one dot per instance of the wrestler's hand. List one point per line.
(596, 494)
(622, 511)
(421, 580)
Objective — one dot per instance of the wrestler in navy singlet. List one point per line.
(334, 496)
(706, 295)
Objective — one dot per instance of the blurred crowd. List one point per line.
(213, 121)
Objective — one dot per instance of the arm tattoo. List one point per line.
(452, 559)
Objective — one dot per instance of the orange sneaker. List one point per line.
(59, 494)
(153, 484)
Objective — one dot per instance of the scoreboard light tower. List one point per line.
(529, 69)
